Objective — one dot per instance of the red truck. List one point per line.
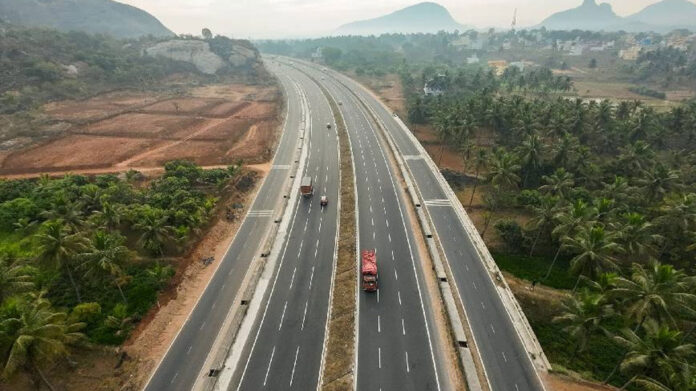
(306, 188)
(369, 270)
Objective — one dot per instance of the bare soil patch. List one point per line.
(213, 125)
(557, 382)
(99, 106)
(74, 151)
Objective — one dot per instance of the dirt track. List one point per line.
(216, 125)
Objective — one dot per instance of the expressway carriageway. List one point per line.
(285, 349)
(183, 362)
(397, 338)
(507, 364)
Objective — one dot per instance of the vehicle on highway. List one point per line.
(324, 201)
(328, 126)
(306, 188)
(370, 277)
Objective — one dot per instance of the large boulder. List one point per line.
(242, 56)
(195, 52)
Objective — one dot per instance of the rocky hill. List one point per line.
(419, 18)
(91, 16)
(588, 16)
(664, 16)
(668, 14)
(212, 56)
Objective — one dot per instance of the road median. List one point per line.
(338, 368)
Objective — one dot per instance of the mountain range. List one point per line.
(663, 16)
(91, 16)
(420, 18)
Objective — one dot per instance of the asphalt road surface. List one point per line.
(285, 351)
(396, 343)
(182, 364)
(507, 364)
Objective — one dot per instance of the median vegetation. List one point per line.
(82, 259)
(338, 368)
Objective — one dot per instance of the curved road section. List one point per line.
(183, 361)
(506, 362)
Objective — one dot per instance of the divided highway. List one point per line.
(396, 335)
(507, 364)
(183, 361)
(285, 351)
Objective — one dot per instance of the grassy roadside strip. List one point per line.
(338, 367)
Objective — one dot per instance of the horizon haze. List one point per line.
(259, 19)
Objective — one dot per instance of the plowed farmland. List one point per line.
(213, 125)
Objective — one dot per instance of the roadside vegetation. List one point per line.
(608, 194)
(82, 259)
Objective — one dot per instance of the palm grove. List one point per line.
(82, 259)
(610, 191)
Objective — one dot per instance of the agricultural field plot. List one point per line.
(215, 125)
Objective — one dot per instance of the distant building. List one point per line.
(630, 54)
(498, 65)
(521, 65)
(317, 55)
(435, 86)
(473, 59)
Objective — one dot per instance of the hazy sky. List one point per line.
(281, 18)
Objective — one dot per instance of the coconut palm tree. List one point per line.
(585, 315)
(544, 216)
(107, 255)
(531, 151)
(659, 346)
(673, 376)
(481, 159)
(595, 250)
(14, 277)
(559, 184)
(637, 235)
(567, 222)
(503, 169)
(657, 292)
(68, 213)
(155, 231)
(60, 248)
(658, 181)
(39, 335)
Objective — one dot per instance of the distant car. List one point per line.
(324, 201)
(340, 103)
(328, 126)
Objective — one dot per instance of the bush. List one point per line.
(511, 233)
(529, 198)
(535, 268)
(648, 92)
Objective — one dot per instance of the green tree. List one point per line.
(544, 216)
(568, 220)
(155, 231)
(107, 254)
(481, 159)
(503, 169)
(14, 277)
(595, 250)
(585, 315)
(39, 335)
(645, 355)
(657, 292)
(59, 248)
(559, 184)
